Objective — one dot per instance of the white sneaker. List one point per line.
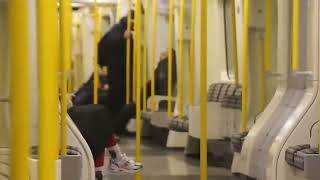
(124, 164)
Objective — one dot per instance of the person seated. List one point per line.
(161, 88)
(84, 95)
(97, 127)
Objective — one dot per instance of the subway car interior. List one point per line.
(159, 89)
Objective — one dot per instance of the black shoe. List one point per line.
(99, 175)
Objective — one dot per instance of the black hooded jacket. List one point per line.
(112, 53)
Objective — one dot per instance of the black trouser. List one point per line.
(122, 118)
(95, 124)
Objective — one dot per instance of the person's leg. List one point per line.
(92, 122)
(119, 162)
(123, 117)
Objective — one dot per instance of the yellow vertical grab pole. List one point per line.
(245, 61)
(180, 68)
(65, 29)
(128, 57)
(145, 54)
(135, 50)
(153, 47)
(295, 35)
(119, 9)
(170, 58)
(192, 56)
(203, 91)
(48, 88)
(138, 84)
(20, 100)
(268, 36)
(95, 47)
(235, 42)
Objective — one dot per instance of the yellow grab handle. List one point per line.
(153, 47)
(295, 35)
(138, 84)
(235, 43)
(268, 36)
(192, 56)
(65, 46)
(19, 89)
(245, 62)
(203, 92)
(96, 41)
(128, 55)
(180, 68)
(170, 58)
(145, 54)
(48, 88)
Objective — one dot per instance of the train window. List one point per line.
(228, 38)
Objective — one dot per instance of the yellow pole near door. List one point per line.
(145, 54)
(191, 62)
(128, 57)
(65, 46)
(95, 47)
(48, 88)
(203, 91)
(295, 35)
(235, 42)
(180, 68)
(268, 36)
(245, 61)
(20, 100)
(170, 58)
(153, 47)
(138, 84)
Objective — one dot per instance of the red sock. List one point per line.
(99, 161)
(112, 142)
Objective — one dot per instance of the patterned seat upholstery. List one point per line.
(179, 125)
(295, 155)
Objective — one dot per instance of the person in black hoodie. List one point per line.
(84, 95)
(112, 53)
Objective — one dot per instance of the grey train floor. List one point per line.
(161, 163)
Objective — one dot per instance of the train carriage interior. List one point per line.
(159, 89)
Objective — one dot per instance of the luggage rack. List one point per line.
(304, 158)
